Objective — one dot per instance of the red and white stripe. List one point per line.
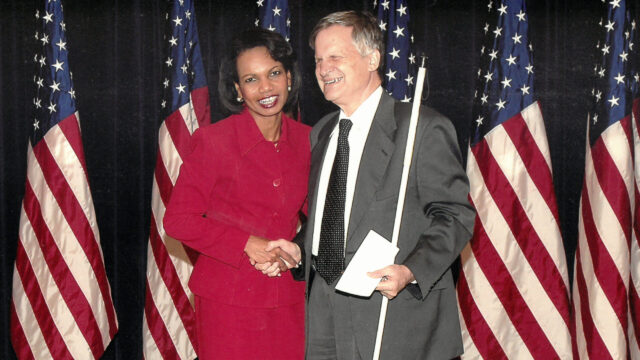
(513, 288)
(169, 330)
(607, 274)
(62, 305)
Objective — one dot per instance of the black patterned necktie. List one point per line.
(330, 259)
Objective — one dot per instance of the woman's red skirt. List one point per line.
(230, 332)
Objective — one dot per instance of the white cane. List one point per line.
(411, 137)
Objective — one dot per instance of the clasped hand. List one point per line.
(272, 257)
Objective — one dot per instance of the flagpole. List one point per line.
(408, 154)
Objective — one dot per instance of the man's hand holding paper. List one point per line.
(374, 255)
(393, 278)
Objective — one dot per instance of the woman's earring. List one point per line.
(239, 99)
(289, 88)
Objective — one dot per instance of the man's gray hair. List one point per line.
(366, 33)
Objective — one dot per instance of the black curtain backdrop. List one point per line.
(115, 54)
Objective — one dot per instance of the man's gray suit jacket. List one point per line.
(437, 222)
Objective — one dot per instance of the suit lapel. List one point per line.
(375, 158)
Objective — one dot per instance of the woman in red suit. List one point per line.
(243, 185)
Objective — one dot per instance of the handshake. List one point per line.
(272, 257)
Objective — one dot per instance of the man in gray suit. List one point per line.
(356, 165)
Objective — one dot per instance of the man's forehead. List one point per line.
(336, 36)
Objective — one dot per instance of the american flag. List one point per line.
(513, 292)
(274, 15)
(168, 328)
(607, 268)
(400, 61)
(61, 306)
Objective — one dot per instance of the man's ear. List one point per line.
(374, 60)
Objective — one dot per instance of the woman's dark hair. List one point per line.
(278, 48)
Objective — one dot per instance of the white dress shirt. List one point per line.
(361, 119)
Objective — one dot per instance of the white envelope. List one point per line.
(375, 253)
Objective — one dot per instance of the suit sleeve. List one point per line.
(298, 273)
(186, 218)
(443, 189)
